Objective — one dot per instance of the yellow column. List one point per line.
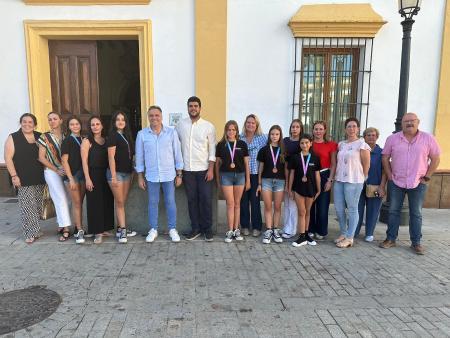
(442, 122)
(211, 59)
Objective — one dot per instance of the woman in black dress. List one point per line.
(100, 201)
(27, 174)
(304, 184)
(71, 162)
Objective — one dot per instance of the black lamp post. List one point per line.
(407, 9)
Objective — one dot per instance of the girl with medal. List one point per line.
(71, 162)
(304, 186)
(50, 156)
(120, 159)
(233, 173)
(271, 183)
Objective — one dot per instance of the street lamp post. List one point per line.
(407, 9)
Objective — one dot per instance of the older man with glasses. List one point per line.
(410, 157)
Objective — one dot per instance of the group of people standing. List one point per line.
(299, 169)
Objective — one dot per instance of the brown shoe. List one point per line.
(418, 249)
(386, 244)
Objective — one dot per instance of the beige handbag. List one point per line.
(372, 190)
(48, 208)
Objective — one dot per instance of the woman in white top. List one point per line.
(353, 162)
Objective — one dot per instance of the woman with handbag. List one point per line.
(99, 198)
(50, 156)
(353, 161)
(27, 173)
(374, 188)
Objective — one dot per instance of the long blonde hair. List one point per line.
(258, 130)
(227, 125)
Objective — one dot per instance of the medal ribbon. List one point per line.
(274, 157)
(128, 144)
(76, 140)
(232, 152)
(305, 166)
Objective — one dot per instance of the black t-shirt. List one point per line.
(124, 152)
(265, 156)
(224, 154)
(290, 148)
(308, 188)
(71, 147)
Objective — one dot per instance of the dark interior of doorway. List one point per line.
(118, 80)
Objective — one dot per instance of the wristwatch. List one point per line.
(180, 175)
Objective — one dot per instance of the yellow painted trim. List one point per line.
(442, 121)
(211, 59)
(86, 2)
(336, 20)
(38, 32)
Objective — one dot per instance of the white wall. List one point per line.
(261, 62)
(173, 51)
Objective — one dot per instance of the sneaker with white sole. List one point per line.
(256, 233)
(300, 241)
(130, 233)
(245, 232)
(277, 236)
(369, 239)
(123, 236)
(318, 237)
(229, 236)
(237, 235)
(80, 237)
(152, 234)
(286, 235)
(173, 233)
(310, 239)
(267, 238)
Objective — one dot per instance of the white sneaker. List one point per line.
(237, 235)
(268, 235)
(287, 236)
(79, 237)
(369, 239)
(277, 236)
(152, 234)
(229, 236)
(319, 237)
(173, 233)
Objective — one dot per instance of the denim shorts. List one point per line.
(119, 176)
(230, 178)
(272, 184)
(78, 177)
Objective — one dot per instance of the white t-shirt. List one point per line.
(349, 167)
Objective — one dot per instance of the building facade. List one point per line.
(278, 59)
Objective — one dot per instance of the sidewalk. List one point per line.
(243, 289)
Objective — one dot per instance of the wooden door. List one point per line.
(74, 78)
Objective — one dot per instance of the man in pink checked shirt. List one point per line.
(410, 157)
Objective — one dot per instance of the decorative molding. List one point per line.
(336, 20)
(442, 120)
(211, 59)
(86, 2)
(38, 32)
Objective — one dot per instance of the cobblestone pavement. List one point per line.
(243, 289)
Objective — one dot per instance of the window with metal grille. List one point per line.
(332, 81)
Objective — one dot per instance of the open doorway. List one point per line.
(96, 77)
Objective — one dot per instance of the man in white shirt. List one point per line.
(198, 146)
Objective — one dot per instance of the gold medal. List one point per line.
(304, 179)
(274, 170)
(232, 165)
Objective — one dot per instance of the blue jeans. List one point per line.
(372, 206)
(251, 200)
(347, 194)
(153, 189)
(415, 201)
(318, 222)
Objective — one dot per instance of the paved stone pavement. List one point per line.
(199, 289)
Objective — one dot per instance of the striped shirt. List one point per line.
(52, 148)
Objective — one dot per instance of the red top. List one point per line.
(324, 151)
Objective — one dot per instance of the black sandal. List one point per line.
(65, 234)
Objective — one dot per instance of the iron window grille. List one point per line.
(332, 81)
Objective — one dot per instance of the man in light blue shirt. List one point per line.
(159, 163)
